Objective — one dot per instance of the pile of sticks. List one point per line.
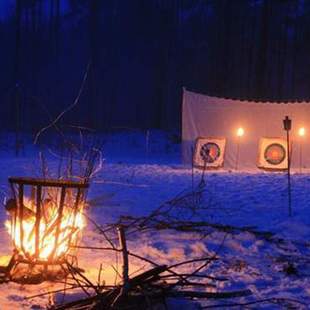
(149, 288)
(153, 286)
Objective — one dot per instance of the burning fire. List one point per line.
(71, 224)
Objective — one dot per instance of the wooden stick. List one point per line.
(122, 240)
(74, 270)
(125, 269)
(38, 219)
(209, 295)
(21, 214)
(59, 217)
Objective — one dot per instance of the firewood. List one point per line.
(125, 287)
(122, 239)
(147, 275)
(209, 295)
(11, 207)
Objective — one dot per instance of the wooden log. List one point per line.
(209, 295)
(48, 182)
(123, 244)
(147, 275)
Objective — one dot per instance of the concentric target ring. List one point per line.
(210, 152)
(275, 154)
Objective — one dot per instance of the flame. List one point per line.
(70, 227)
(240, 132)
(301, 131)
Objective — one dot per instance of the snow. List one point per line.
(142, 170)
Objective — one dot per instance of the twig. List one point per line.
(101, 231)
(271, 300)
(77, 281)
(70, 107)
(75, 270)
(99, 275)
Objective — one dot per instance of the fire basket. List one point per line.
(45, 221)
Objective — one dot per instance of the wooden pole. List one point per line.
(37, 222)
(122, 240)
(59, 218)
(238, 151)
(300, 157)
(21, 215)
(125, 271)
(289, 173)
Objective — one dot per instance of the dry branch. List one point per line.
(70, 107)
(126, 286)
(149, 287)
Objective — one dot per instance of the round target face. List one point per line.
(210, 152)
(275, 154)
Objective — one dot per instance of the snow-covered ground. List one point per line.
(143, 170)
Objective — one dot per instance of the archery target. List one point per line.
(209, 152)
(272, 153)
(275, 154)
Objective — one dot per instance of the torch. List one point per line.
(240, 133)
(301, 133)
(287, 124)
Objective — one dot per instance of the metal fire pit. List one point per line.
(63, 198)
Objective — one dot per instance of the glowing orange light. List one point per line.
(240, 132)
(301, 131)
(70, 227)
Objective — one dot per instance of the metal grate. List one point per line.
(47, 204)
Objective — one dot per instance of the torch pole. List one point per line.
(300, 157)
(289, 173)
(237, 155)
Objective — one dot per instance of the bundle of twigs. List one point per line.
(168, 216)
(148, 288)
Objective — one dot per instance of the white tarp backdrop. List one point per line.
(205, 116)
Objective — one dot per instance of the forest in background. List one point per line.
(138, 54)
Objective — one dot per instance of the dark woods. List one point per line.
(141, 53)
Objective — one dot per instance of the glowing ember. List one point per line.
(23, 233)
